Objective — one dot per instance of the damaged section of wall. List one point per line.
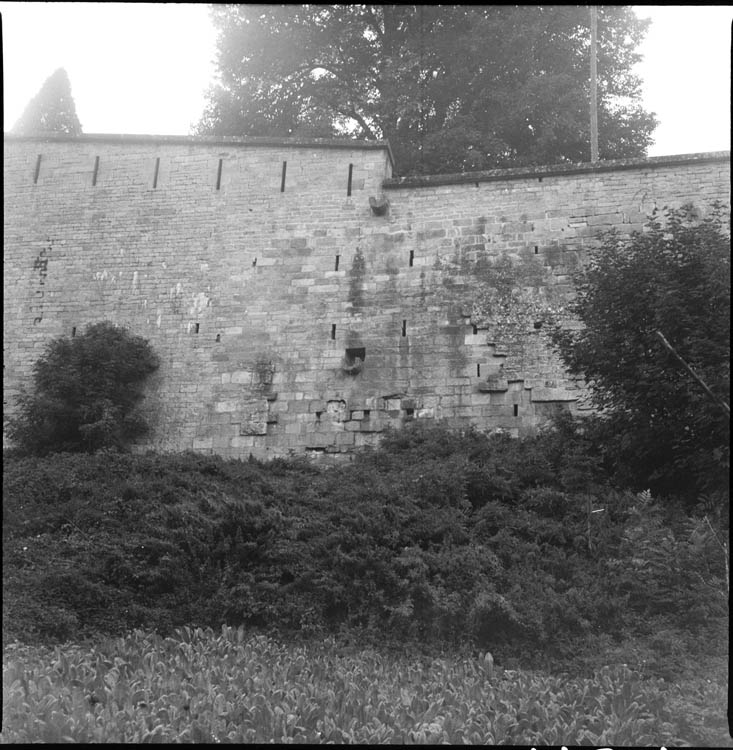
(300, 299)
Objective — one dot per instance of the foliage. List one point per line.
(86, 393)
(660, 429)
(483, 541)
(235, 686)
(52, 109)
(453, 88)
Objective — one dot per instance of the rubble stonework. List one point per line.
(300, 298)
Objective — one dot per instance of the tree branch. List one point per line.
(362, 122)
(689, 369)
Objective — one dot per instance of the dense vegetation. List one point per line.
(229, 686)
(452, 87)
(432, 538)
(659, 427)
(435, 543)
(86, 393)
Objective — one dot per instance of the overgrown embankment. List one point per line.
(460, 540)
(436, 543)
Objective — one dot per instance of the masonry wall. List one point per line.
(289, 316)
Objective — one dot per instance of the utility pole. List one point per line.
(593, 85)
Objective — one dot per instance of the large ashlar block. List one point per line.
(553, 394)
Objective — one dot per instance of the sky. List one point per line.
(145, 67)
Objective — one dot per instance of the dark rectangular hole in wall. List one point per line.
(536, 249)
(409, 413)
(196, 328)
(96, 171)
(157, 169)
(333, 331)
(218, 174)
(475, 330)
(38, 169)
(412, 257)
(282, 179)
(516, 410)
(348, 184)
(218, 338)
(336, 266)
(404, 328)
(318, 416)
(478, 370)
(73, 332)
(367, 412)
(254, 262)
(357, 353)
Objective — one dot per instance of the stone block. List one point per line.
(553, 394)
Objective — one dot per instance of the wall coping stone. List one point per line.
(552, 170)
(191, 140)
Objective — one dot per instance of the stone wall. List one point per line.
(291, 313)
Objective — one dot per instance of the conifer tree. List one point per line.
(52, 109)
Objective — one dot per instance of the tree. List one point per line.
(453, 88)
(660, 428)
(52, 109)
(86, 393)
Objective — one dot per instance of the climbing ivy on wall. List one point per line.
(516, 297)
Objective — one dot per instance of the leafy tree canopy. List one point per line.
(660, 427)
(453, 88)
(86, 393)
(52, 109)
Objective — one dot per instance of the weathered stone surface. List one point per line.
(238, 289)
(553, 394)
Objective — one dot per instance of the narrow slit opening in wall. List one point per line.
(157, 169)
(475, 330)
(196, 328)
(218, 174)
(348, 184)
(73, 332)
(404, 328)
(282, 179)
(218, 338)
(478, 370)
(409, 413)
(254, 262)
(336, 265)
(38, 169)
(96, 171)
(333, 332)
(412, 258)
(367, 412)
(516, 410)
(318, 416)
(536, 250)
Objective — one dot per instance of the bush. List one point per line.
(660, 429)
(86, 393)
(483, 542)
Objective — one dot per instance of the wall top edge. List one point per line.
(192, 140)
(552, 170)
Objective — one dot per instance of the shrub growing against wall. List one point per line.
(661, 430)
(86, 393)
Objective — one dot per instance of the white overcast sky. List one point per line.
(145, 67)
